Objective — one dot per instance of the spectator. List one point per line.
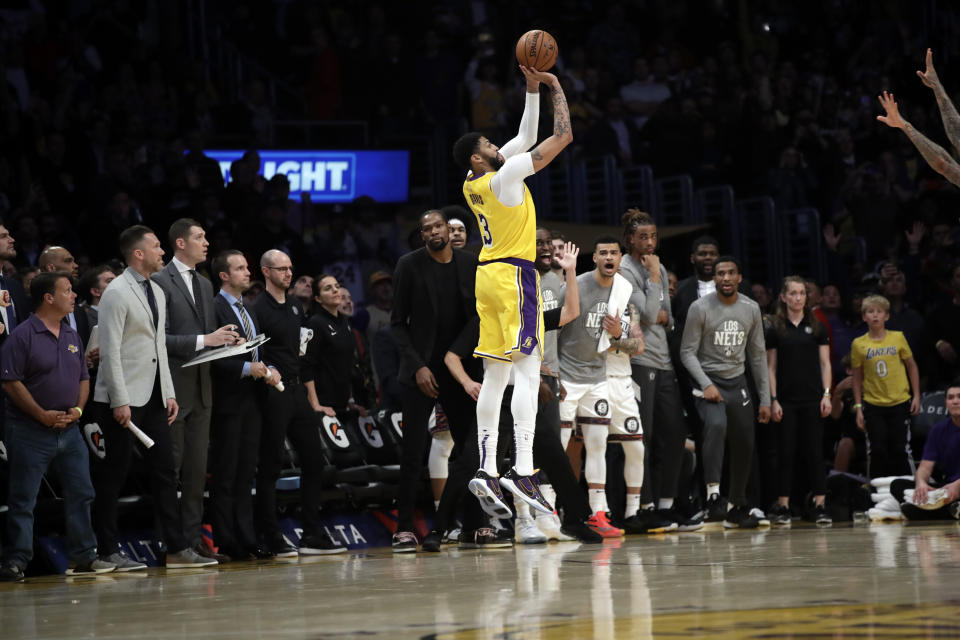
(92, 285)
(380, 292)
(58, 259)
(302, 292)
(46, 380)
(882, 363)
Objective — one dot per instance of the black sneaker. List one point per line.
(483, 538)
(739, 517)
(404, 542)
(10, 572)
(648, 521)
(432, 541)
(683, 523)
(582, 532)
(488, 492)
(820, 515)
(320, 544)
(526, 488)
(779, 514)
(279, 547)
(716, 507)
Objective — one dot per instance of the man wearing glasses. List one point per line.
(287, 413)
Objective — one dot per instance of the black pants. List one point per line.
(800, 441)
(897, 487)
(728, 423)
(288, 414)
(888, 439)
(548, 453)
(110, 473)
(664, 431)
(461, 412)
(234, 445)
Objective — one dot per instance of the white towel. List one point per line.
(620, 294)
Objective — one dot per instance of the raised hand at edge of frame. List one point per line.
(892, 117)
(929, 76)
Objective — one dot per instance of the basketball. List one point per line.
(537, 49)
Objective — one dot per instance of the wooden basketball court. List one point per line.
(863, 581)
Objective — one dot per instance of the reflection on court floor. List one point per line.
(877, 581)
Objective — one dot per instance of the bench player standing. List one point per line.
(508, 286)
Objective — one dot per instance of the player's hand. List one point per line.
(712, 394)
(776, 411)
(568, 260)
(172, 410)
(651, 262)
(946, 351)
(612, 326)
(563, 391)
(545, 394)
(663, 317)
(763, 415)
(327, 411)
(915, 406)
(920, 492)
(826, 406)
(427, 383)
(122, 415)
(226, 334)
(861, 424)
(953, 491)
(93, 357)
(473, 389)
(893, 118)
(929, 76)
(540, 77)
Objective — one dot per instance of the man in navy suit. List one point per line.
(235, 429)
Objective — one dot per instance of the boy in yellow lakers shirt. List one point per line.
(882, 361)
(508, 287)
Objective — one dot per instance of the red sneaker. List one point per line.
(601, 524)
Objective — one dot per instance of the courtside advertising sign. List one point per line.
(332, 176)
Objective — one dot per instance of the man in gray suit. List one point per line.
(136, 386)
(191, 328)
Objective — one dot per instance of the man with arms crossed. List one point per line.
(508, 291)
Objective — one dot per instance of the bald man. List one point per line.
(60, 259)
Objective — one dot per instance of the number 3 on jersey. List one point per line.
(485, 230)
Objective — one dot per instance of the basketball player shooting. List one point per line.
(508, 287)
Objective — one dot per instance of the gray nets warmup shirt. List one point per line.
(649, 298)
(551, 289)
(718, 338)
(579, 360)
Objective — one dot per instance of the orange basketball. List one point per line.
(537, 49)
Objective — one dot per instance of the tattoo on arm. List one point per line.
(935, 155)
(561, 113)
(951, 119)
(628, 345)
(536, 155)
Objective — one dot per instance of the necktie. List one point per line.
(195, 279)
(247, 329)
(152, 300)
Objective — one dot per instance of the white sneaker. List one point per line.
(762, 519)
(453, 536)
(525, 531)
(549, 525)
(879, 515)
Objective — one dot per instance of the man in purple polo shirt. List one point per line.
(44, 375)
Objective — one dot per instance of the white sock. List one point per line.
(495, 379)
(713, 488)
(665, 503)
(522, 509)
(633, 505)
(526, 384)
(598, 500)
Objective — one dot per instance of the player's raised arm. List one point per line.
(935, 155)
(546, 151)
(529, 123)
(951, 119)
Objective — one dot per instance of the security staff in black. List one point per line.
(287, 413)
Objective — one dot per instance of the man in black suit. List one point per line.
(19, 305)
(235, 428)
(434, 309)
(190, 329)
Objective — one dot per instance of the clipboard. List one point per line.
(227, 352)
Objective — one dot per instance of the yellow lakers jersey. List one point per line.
(507, 232)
